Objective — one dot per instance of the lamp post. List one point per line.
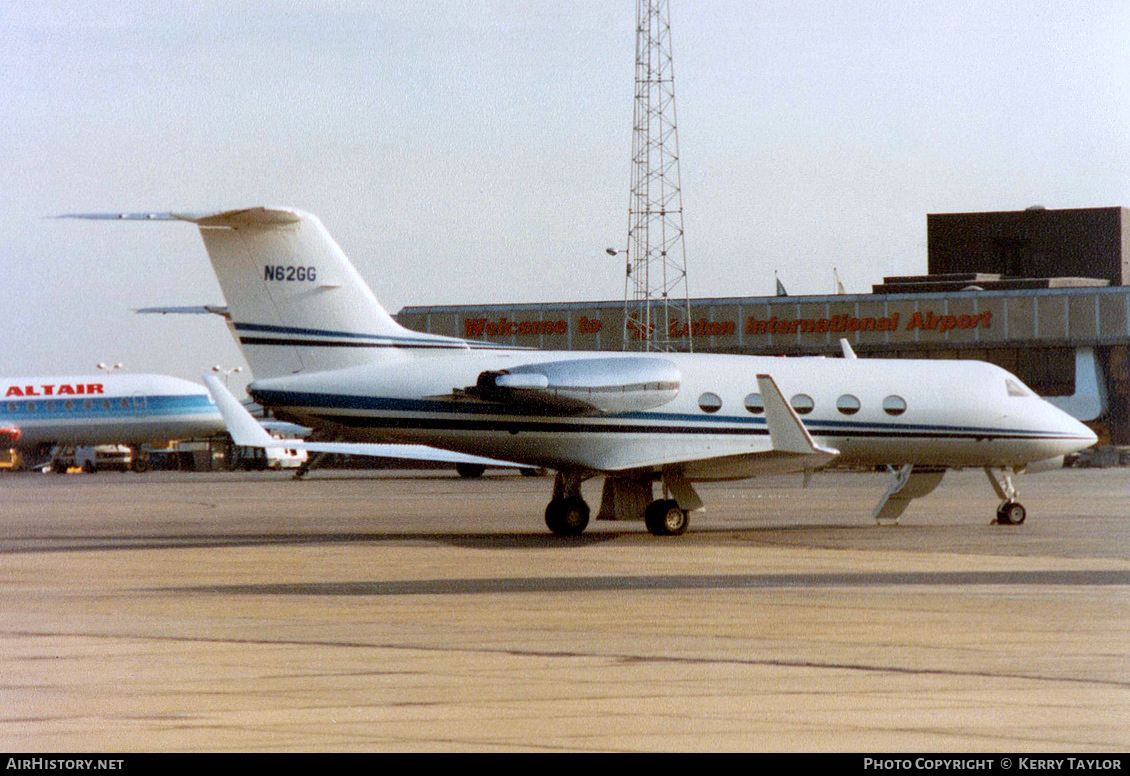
(226, 372)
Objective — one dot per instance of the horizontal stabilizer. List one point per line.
(254, 216)
(202, 309)
(247, 432)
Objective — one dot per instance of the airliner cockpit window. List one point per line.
(1016, 389)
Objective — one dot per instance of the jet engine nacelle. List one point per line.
(597, 386)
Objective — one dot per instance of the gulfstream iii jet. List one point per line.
(325, 353)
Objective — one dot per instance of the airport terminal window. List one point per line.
(802, 403)
(848, 404)
(894, 405)
(755, 404)
(710, 402)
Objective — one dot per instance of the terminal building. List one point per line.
(1043, 293)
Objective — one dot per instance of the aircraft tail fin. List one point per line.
(297, 303)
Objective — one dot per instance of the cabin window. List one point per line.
(894, 405)
(755, 404)
(87, 404)
(31, 406)
(848, 404)
(710, 402)
(802, 403)
(12, 406)
(68, 405)
(124, 403)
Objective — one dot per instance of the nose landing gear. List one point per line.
(1010, 511)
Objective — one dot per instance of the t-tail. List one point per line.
(297, 303)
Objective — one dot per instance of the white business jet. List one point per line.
(325, 353)
(43, 413)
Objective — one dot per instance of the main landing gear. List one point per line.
(664, 517)
(568, 515)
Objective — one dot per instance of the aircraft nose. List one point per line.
(1079, 435)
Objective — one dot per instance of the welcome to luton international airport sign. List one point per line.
(503, 326)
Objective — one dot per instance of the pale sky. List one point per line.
(476, 152)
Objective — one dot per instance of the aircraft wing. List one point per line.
(791, 449)
(247, 432)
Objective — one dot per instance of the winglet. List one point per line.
(845, 346)
(245, 430)
(786, 431)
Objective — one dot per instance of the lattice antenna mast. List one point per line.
(657, 313)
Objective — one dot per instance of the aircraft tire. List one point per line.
(470, 470)
(1011, 513)
(567, 516)
(664, 518)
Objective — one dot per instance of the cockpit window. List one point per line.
(1016, 389)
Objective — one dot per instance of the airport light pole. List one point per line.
(226, 372)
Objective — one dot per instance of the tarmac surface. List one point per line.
(416, 611)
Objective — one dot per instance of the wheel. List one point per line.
(664, 518)
(567, 516)
(140, 465)
(470, 470)
(528, 472)
(1011, 513)
(89, 467)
